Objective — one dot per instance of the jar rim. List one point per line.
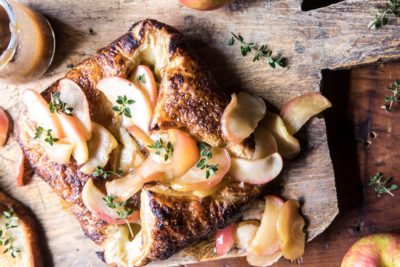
(9, 52)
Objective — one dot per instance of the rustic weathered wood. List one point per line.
(331, 37)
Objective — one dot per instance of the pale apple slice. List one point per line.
(61, 151)
(266, 241)
(241, 116)
(195, 179)
(74, 97)
(258, 171)
(143, 77)
(264, 261)
(140, 136)
(100, 146)
(290, 226)
(125, 187)
(4, 126)
(20, 169)
(288, 145)
(297, 111)
(225, 239)
(265, 143)
(73, 130)
(245, 233)
(130, 156)
(141, 110)
(93, 199)
(39, 112)
(186, 152)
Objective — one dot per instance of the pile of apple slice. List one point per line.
(280, 233)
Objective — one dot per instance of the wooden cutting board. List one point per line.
(331, 37)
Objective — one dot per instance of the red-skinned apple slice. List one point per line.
(266, 241)
(241, 116)
(92, 197)
(265, 143)
(74, 97)
(61, 151)
(290, 226)
(263, 261)
(73, 130)
(141, 111)
(258, 171)
(4, 125)
(288, 145)
(38, 111)
(225, 239)
(20, 170)
(195, 179)
(297, 111)
(144, 78)
(100, 146)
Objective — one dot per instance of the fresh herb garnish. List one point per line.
(105, 174)
(56, 105)
(49, 138)
(160, 147)
(70, 66)
(395, 97)
(379, 183)
(262, 52)
(122, 107)
(7, 242)
(141, 78)
(206, 155)
(120, 208)
(381, 18)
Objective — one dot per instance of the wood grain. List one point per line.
(332, 37)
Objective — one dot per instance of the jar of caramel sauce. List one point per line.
(27, 43)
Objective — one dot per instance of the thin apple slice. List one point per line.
(264, 261)
(73, 130)
(225, 239)
(61, 151)
(38, 111)
(265, 143)
(20, 170)
(258, 171)
(196, 179)
(245, 233)
(100, 146)
(4, 126)
(297, 111)
(143, 77)
(93, 199)
(74, 97)
(266, 240)
(130, 156)
(140, 136)
(288, 145)
(125, 187)
(141, 110)
(290, 226)
(241, 116)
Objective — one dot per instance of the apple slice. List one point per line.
(195, 179)
(297, 111)
(141, 110)
(266, 240)
(241, 116)
(73, 130)
(130, 156)
(61, 151)
(4, 125)
(290, 226)
(143, 77)
(38, 111)
(258, 171)
(141, 137)
(225, 239)
(20, 169)
(186, 152)
(93, 199)
(100, 146)
(245, 233)
(288, 145)
(264, 261)
(74, 97)
(265, 143)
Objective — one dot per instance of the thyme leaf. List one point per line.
(122, 106)
(56, 105)
(379, 183)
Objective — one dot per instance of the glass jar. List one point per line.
(27, 43)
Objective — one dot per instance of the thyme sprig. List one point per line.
(49, 138)
(56, 105)
(206, 155)
(120, 208)
(381, 18)
(141, 78)
(394, 98)
(379, 183)
(122, 106)
(100, 172)
(262, 52)
(160, 147)
(8, 242)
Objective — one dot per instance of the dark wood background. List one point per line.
(363, 139)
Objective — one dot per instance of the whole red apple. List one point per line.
(204, 5)
(374, 251)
